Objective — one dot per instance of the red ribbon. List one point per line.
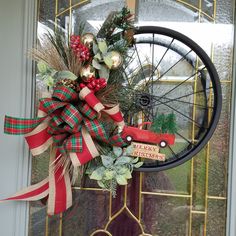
(46, 130)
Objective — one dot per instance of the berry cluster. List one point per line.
(79, 48)
(94, 84)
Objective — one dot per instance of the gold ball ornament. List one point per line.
(86, 72)
(87, 39)
(117, 59)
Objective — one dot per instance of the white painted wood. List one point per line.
(231, 209)
(17, 25)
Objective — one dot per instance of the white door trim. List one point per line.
(18, 26)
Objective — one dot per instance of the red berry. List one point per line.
(82, 85)
(102, 80)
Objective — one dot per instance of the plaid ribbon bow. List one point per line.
(70, 122)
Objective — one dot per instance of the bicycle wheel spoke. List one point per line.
(181, 59)
(176, 98)
(172, 151)
(189, 118)
(152, 70)
(139, 61)
(168, 48)
(146, 113)
(183, 82)
(184, 138)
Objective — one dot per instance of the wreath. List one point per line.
(80, 119)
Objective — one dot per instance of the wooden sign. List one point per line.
(147, 151)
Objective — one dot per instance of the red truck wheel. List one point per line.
(128, 138)
(163, 144)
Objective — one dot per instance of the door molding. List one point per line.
(231, 204)
(18, 27)
(29, 29)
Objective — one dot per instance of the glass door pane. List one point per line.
(187, 200)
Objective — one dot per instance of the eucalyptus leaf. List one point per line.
(121, 180)
(65, 74)
(123, 160)
(107, 161)
(108, 60)
(128, 150)
(109, 174)
(102, 45)
(96, 64)
(101, 184)
(128, 174)
(104, 72)
(49, 81)
(139, 164)
(135, 160)
(121, 170)
(95, 48)
(53, 72)
(42, 67)
(98, 56)
(98, 173)
(117, 151)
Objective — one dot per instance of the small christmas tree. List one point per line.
(158, 123)
(164, 124)
(171, 122)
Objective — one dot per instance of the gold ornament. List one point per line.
(116, 59)
(86, 72)
(87, 39)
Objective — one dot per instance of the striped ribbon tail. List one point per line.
(60, 193)
(32, 193)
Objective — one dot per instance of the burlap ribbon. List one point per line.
(69, 122)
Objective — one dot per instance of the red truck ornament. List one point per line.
(131, 133)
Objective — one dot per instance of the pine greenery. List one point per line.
(164, 124)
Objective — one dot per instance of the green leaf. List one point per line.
(107, 161)
(109, 174)
(117, 151)
(98, 173)
(121, 170)
(123, 160)
(135, 160)
(98, 56)
(95, 48)
(102, 45)
(65, 74)
(53, 72)
(101, 184)
(121, 180)
(128, 174)
(49, 81)
(108, 60)
(104, 72)
(139, 164)
(42, 67)
(128, 150)
(96, 64)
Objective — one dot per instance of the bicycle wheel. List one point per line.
(168, 73)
